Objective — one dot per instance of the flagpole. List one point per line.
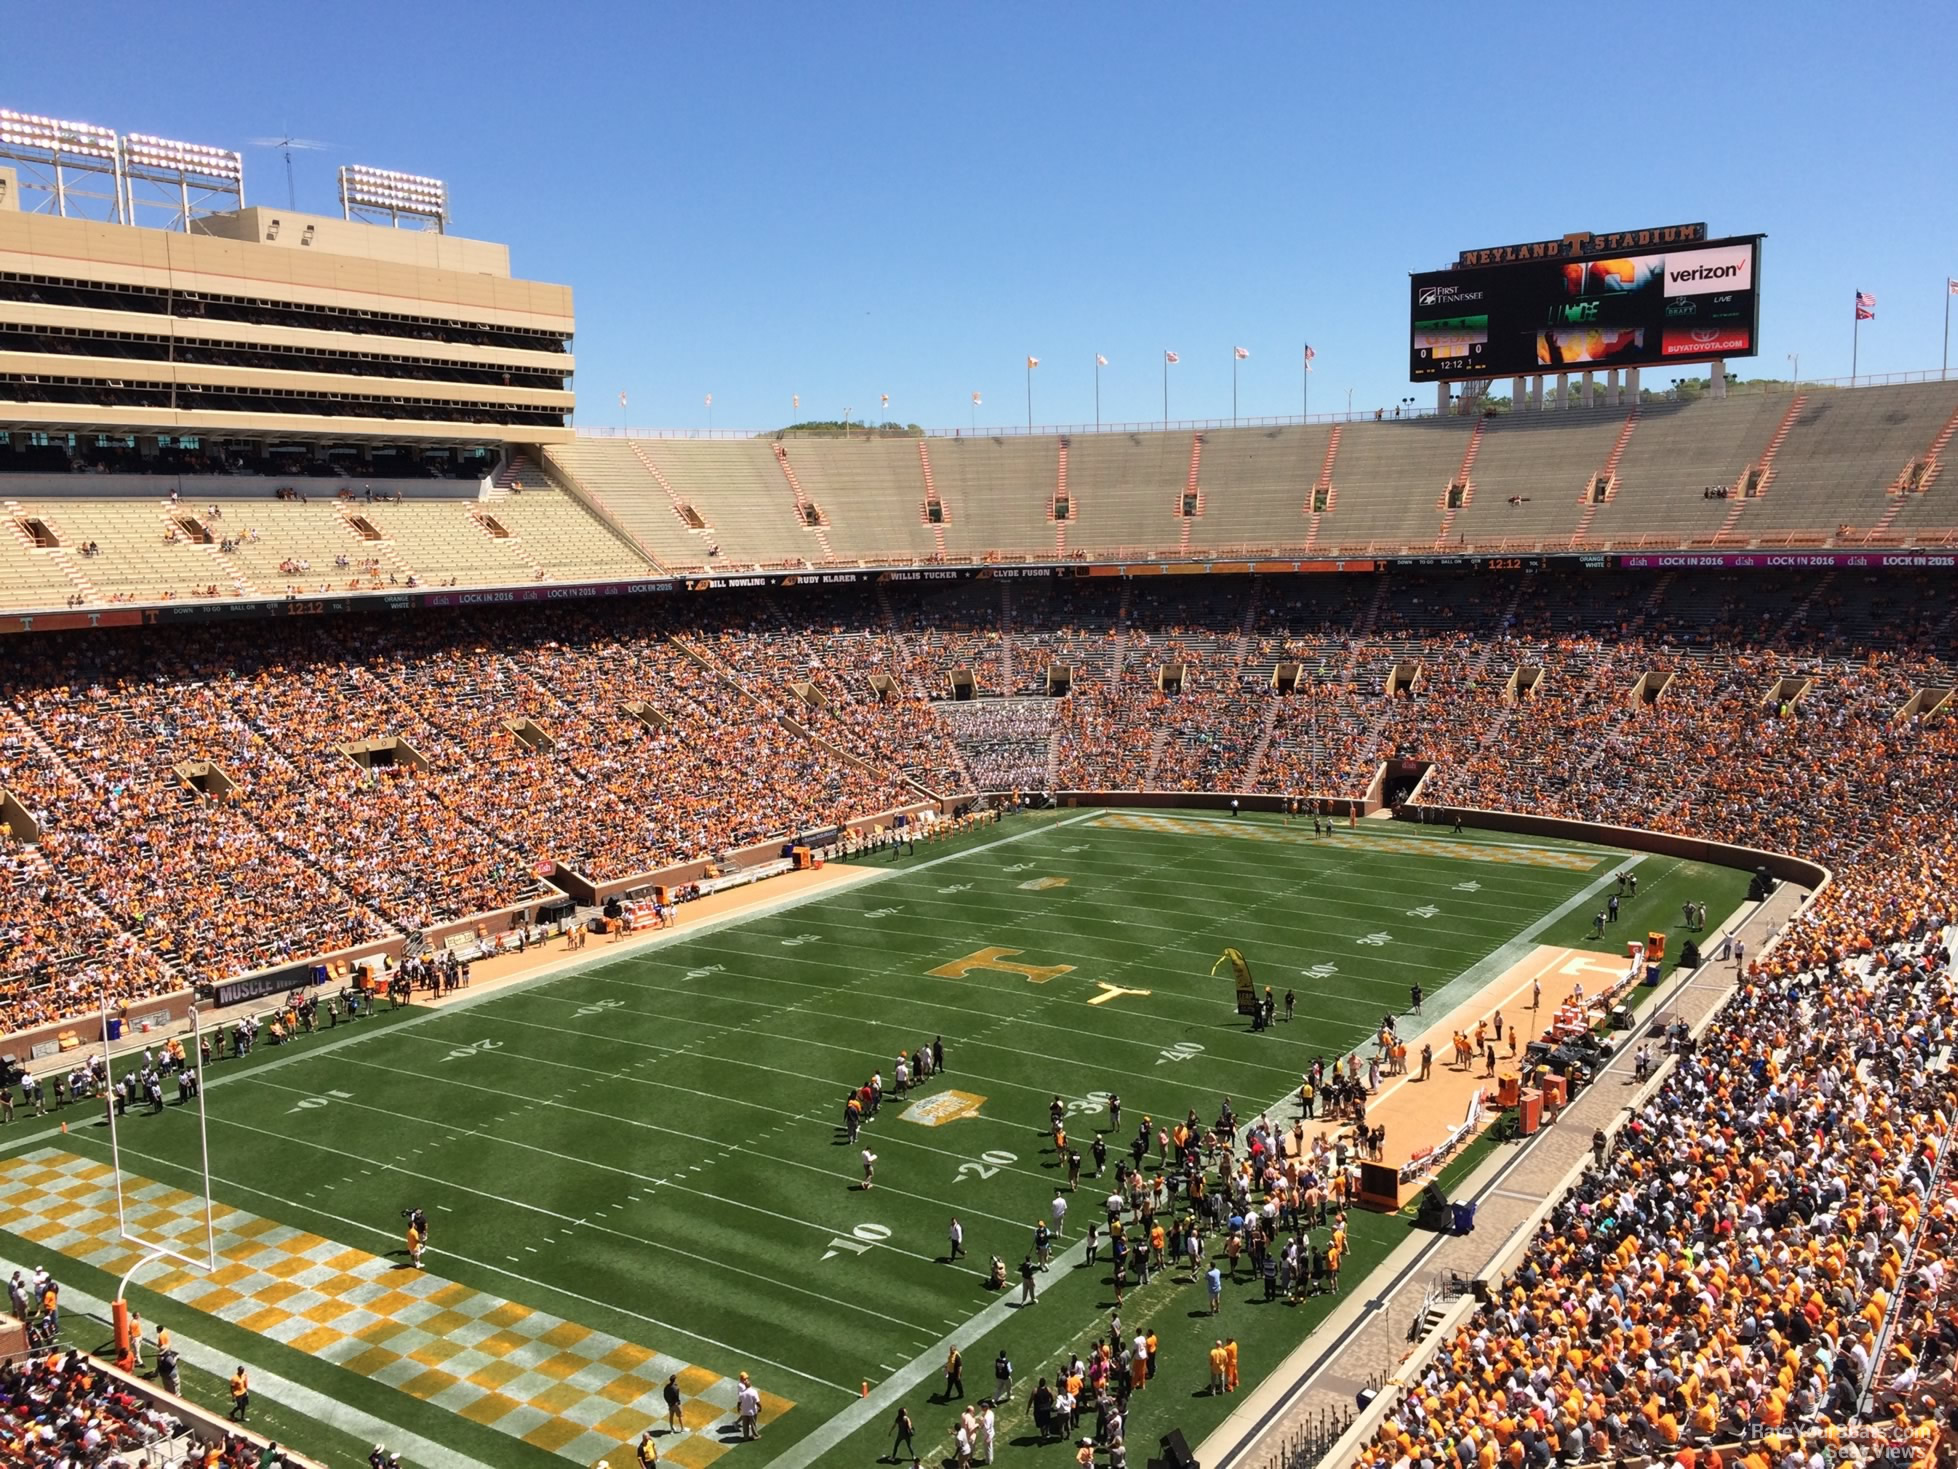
(1855, 343)
(1305, 384)
(1165, 390)
(1945, 366)
(1233, 387)
(1947, 312)
(1029, 395)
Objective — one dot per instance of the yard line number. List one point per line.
(463, 1053)
(987, 1165)
(858, 1241)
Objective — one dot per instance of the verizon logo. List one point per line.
(1699, 272)
(1704, 273)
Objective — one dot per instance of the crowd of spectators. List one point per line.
(1767, 1254)
(60, 1409)
(871, 692)
(655, 737)
(1769, 1239)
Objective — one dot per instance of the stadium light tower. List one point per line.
(66, 162)
(375, 194)
(186, 179)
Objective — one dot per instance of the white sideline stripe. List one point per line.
(465, 1001)
(558, 1290)
(882, 1398)
(1500, 962)
(284, 1391)
(886, 1394)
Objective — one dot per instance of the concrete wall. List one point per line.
(588, 890)
(158, 1010)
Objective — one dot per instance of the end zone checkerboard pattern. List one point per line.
(555, 1384)
(647, 1143)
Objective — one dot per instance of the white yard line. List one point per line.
(885, 1396)
(284, 1391)
(535, 1284)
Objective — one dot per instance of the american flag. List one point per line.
(1309, 353)
(975, 400)
(621, 400)
(1032, 363)
(1101, 361)
(1865, 306)
(1171, 357)
(1953, 285)
(1240, 353)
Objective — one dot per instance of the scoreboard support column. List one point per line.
(1518, 394)
(1631, 385)
(1717, 379)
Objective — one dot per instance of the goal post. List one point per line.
(180, 1250)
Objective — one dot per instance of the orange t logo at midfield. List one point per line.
(997, 960)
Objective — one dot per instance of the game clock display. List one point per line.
(1685, 305)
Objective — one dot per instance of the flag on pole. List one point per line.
(1953, 285)
(1101, 361)
(1309, 353)
(622, 398)
(1171, 357)
(975, 400)
(1032, 363)
(1240, 353)
(887, 400)
(795, 401)
(710, 400)
(1865, 306)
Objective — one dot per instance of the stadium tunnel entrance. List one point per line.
(1402, 778)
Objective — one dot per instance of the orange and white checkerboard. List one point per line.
(553, 1383)
(1358, 840)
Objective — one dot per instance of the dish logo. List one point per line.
(1699, 272)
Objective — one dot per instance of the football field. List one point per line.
(636, 1173)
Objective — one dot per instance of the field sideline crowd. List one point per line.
(1768, 1247)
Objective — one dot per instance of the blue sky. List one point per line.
(759, 200)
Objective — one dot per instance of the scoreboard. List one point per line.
(1690, 303)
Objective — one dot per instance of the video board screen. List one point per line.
(1688, 304)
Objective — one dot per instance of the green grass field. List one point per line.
(635, 1170)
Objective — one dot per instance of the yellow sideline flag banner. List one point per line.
(1247, 992)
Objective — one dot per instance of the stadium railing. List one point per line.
(1732, 389)
(1267, 1447)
